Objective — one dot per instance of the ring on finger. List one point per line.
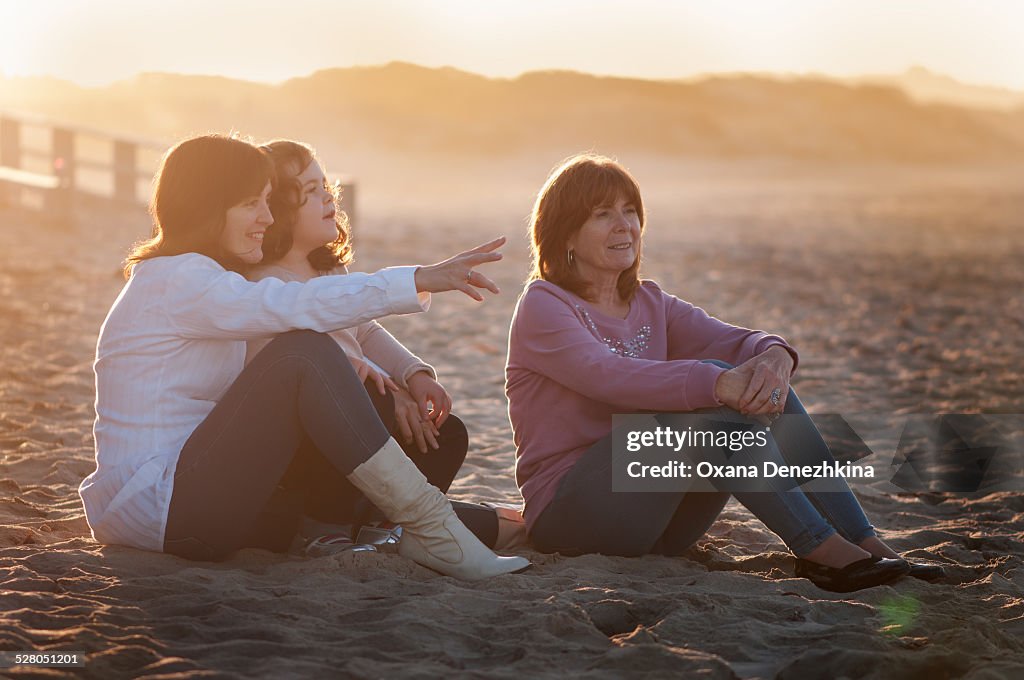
(469, 275)
(776, 396)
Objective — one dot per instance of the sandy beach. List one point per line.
(903, 295)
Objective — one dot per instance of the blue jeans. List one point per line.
(586, 516)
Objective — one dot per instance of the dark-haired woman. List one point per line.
(192, 449)
(590, 339)
(310, 238)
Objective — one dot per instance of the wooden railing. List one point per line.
(60, 161)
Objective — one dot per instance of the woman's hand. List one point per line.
(410, 424)
(364, 370)
(457, 273)
(433, 401)
(748, 387)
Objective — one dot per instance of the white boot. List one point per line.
(432, 534)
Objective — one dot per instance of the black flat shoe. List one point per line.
(870, 571)
(925, 571)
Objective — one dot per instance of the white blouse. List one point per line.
(368, 341)
(171, 345)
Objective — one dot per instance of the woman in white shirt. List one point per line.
(191, 448)
(310, 238)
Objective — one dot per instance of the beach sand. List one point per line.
(902, 299)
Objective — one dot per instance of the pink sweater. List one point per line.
(570, 367)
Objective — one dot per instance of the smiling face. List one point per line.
(590, 206)
(608, 243)
(315, 223)
(244, 226)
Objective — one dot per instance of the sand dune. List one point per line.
(412, 110)
(902, 301)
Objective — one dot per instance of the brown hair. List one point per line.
(290, 160)
(567, 199)
(198, 181)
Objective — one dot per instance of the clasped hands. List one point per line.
(420, 410)
(748, 387)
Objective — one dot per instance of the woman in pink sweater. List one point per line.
(589, 339)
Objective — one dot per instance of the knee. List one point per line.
(727, 414)
(443, 465)
(456, 437)
(306, 343)
(304, 349)
(309, 346)
(717, 362)
(383, 403)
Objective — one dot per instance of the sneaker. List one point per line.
(332, 544)
(379, 534)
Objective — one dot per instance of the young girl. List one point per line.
(194, 453)
(310, 238)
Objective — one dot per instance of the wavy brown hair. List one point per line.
(571, 193)
(198, 181)
(290, 160)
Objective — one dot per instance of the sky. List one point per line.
(95, 42)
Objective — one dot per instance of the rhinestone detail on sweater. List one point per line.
(631, 348)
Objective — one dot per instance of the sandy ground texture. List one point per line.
(902, 297)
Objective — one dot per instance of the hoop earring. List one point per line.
(571, 257)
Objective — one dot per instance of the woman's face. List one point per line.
(608, 243)
(314, 225)
(245, 225)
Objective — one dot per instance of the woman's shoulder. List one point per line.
(168, 265)
(541, 289)
(650, 292)
(650, 287)
(540, 294)
(155, 281)
(543, 304)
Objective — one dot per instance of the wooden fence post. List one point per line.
(63, 152)
(10, 142)
(348, 198)
(10, 155)
(125, 171)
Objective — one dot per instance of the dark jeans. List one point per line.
(586, 516)
(280, 444)
(228, 478)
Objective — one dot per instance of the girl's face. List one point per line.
(315, 224)
(608, 243)
(245, 225)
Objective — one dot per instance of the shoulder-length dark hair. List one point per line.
(290, 160)
(567, 199)
(198, 180)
